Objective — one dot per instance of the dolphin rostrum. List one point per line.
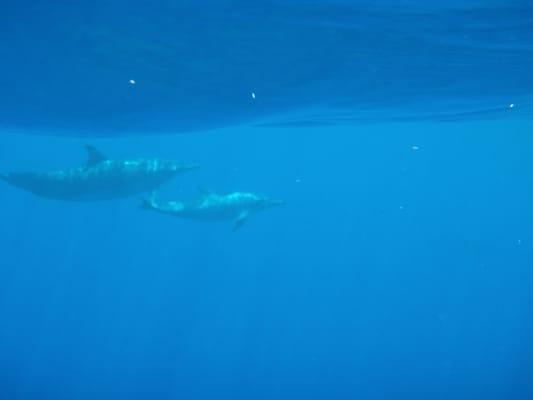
(236, 206)
(99, 179)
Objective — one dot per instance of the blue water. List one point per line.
(401, 265)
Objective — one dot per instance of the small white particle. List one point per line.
(511, 105)
(253, 95)
(298, 180)
(519, 242)
(415, 148)
(132, 81)
(401, 207)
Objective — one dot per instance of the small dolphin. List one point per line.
(99, 179)
(236, 206)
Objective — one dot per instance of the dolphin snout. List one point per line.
(186, 167)
(278, 202)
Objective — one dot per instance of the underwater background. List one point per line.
(399, 134)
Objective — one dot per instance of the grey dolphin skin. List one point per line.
(99, 179)
(236, 206)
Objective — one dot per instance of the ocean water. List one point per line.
(399, 134)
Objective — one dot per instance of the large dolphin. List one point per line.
(236, 206)
(99, 179)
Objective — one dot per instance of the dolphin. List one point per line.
(100, 178)
(211, 206)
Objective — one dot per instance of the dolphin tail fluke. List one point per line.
(147, 205)
(6, 178)
(151, 203)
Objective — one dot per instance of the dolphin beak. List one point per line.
(187, 167)
(277, 202)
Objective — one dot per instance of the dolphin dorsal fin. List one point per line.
(205, 191)
(94, 155)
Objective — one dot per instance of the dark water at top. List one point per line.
(399, 134)
(67, 66)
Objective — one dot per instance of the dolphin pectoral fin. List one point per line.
(154, 198)
(94, 155)
(241, 219)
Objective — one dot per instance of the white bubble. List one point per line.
(511, 105)
(253, 95)
(298, 180)
(132, 81)
(415, 148)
